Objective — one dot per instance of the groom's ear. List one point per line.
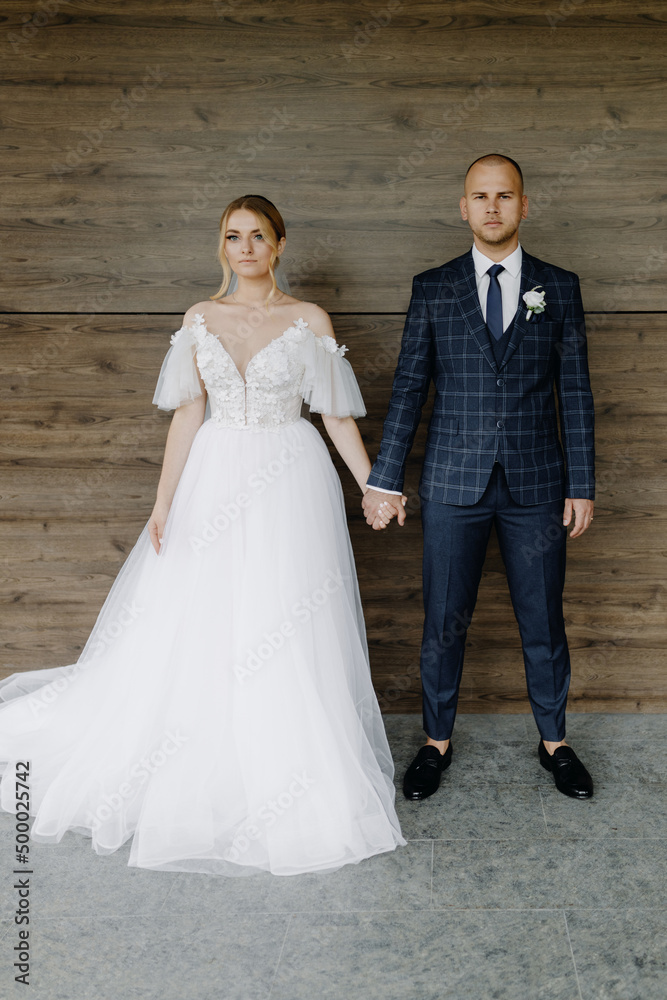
(524, 209)
(463, 205)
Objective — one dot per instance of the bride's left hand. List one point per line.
(156, 524)
(385, 514)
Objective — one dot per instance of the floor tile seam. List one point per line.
(574, 961)
(537, 780)
(415, 908)
(544, 815)
(169, 892)
(484, 782)
(628, 908)
(554, 908)
(623, 786)
(540, 781)
(538, 836)
(418, 908)
(542, 836)
(280, 955)
(584, 838)
(432, 869)
(405, 911)
(372, 911)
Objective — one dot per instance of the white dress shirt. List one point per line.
(510, 286)
(509, 281)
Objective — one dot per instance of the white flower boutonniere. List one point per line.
(534, 301)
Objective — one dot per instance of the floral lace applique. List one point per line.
(268, 397)
(330, 345)
(291, 368)
(301, 330)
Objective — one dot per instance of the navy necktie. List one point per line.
(494, 302)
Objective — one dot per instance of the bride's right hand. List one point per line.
(156, 523)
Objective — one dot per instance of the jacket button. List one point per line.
(500, 424)
(500, 381)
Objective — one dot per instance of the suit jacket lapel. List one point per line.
(529, 278)
(465, 289)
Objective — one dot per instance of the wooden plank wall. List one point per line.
(128, 126)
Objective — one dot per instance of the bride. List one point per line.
(221, 714)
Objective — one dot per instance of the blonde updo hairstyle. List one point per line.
(271, 226)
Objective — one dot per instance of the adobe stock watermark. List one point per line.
(138, 775)
(258, 482)
(46, 11)
(580, 160)
(368, 30)
(45, 355)
(428, 144)
(430, 653)
(269, 814)
(22, 914)
(382, 364)
(224, 7)
(204, 196)
(565, 8)
(300, 269)
(41, 699)
(543, 541)
(655, 260)
(303, 610)
(602, 654)
(120, 109)
(127, 616)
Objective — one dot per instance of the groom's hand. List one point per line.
(583, 515)
(380, 508)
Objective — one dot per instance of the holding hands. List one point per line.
(380, 508)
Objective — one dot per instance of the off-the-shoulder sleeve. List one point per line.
(329, 385)
(178, 381)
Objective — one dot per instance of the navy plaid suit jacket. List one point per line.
(479, 404)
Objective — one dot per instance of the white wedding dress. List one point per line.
(221, 713)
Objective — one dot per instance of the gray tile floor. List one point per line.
(507, 890)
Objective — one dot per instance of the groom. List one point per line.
(496, 329)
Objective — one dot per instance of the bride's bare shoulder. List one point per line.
(318, 319)
(203, 308)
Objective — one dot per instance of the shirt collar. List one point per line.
(511, 263)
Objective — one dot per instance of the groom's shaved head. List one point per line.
(495, 160)
(493, 202)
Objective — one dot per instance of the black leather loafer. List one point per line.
(569, 773)
(422, 778)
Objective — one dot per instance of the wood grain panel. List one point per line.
(330, 109)
(80, 458)
(334, 13)
(127, 127)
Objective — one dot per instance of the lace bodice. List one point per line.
(269, 394)
(298, 365)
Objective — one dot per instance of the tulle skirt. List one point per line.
(221, 713)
